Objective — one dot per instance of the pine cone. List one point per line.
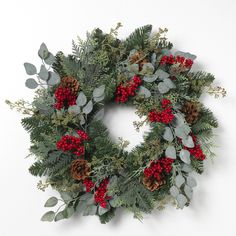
(72, 83)
(80, 169)
(152, 184)
(191, 111)
(136, 58)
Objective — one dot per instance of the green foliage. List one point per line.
(38, 169)
(107, 217)
(200, 80)
(138, 39)
(37, 125)
(135, 197)
(100, 63)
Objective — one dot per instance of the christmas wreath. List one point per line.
(74, 152)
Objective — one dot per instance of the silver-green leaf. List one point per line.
(191, 182)
(147, 69)
(81, 99)
(169, 83)
(181, 200)
(43, 51)
(179, 180)
(43, 73)
(98, 92)
(150, 78)
(75, 109)
(30, 68)
(163, 88)
(162, 74)
(174, 191)
(144, 91)
(102, 210)
(188, 191)
(51, 202)
(188, 141)
(60, 215)
(168, 136)
(31, 83)
(170, 152)
(88, 108)
(99, 99)
(48, 216)
(185, 156)
(54, 78)
(50, 59)
(90, 210)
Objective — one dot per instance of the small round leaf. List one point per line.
(31, 83)
(30, 68)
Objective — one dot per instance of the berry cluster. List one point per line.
(101, 194)
(64, 98)
(158, 168)
(72, 143)
(88, 183)
(124, 91)
(170, 60)
(196, 151)
(165, 115)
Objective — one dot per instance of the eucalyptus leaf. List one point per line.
(150, 78)
(99, 99)
(88, 108)
(31, 83)
(147, 69)
(81, 99)
(182, 200)
(60, 216)
(187, 55)
(169, 83)
(43, 51)
(188, 191)
(99, 115)
(179, 180)
(51, 202)
(75, 109)
(102, 210)
(98, 92)
(170, 152)
(43, 73)
(54, 78)
(66, 196)
(163, 88)
(82, 205)
(144, 91)
(186, 168)
(134, 68)
(185, 156)
(90, 210)
(182, 131)
(48, 216)
(50, 59)
(174, 191)
(188, 142)
(191, 182)
(70, 211)
(162, 74)
(30, 68)
(168, 136)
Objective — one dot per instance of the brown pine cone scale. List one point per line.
(80, 169)
(152, 184)
(191, 111)
(72, 83)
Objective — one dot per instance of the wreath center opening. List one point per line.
(119, 119)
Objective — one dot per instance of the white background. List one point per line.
(205, 28)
